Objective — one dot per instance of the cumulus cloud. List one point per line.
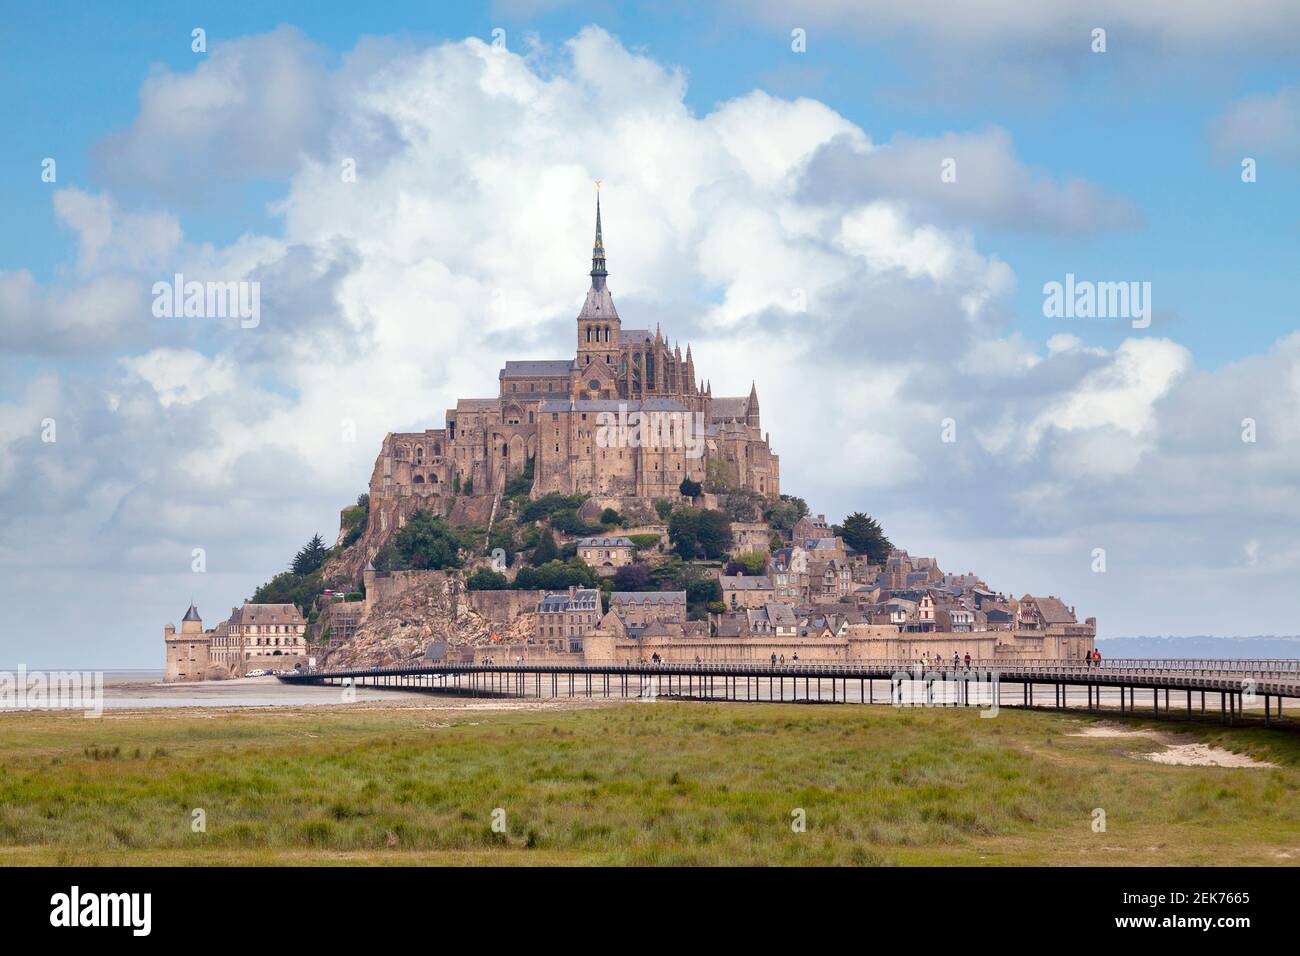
(867, 318)
(250, 108)
(1028, 52)
(972, 179)
(1053, 25)
(1260, 125)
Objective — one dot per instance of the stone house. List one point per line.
(746, 591)
(642, 607)
(607, 554)
(564, 618)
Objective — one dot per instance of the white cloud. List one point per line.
(182, 376)
(966, 178)
(1260, 125)
(249, 108)
(464, 242)
(1053, 24)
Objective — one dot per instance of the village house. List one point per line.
(829, 581)
(255, 636)
(642, 607)
(788, 570)
(745, 591)
(810, 527)
(563, 619)
(607, 554)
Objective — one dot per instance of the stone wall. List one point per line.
(865, 642)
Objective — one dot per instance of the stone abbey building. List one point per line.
(625, 418)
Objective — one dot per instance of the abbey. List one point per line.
(563, 420)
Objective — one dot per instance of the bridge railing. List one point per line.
(1043, 668)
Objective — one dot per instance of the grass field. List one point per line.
(662, 783)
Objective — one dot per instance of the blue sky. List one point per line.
(69, 74)
(736, 168)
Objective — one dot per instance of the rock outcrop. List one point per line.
(400, 624)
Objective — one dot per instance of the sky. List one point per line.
(856, 206)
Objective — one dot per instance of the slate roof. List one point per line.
(585, 599)
(614, 542)
(1053, 610)
(746, 582)
(613, 405)
(599, 304)
(267, 614)
(730, 408)
(559, 368)
(647, 597)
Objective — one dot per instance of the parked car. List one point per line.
(256, 672)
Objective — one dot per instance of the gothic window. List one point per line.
(419, 454)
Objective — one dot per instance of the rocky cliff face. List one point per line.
(399, 626)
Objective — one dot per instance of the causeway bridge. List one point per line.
(1233, 690)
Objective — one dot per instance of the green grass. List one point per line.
(662, 783)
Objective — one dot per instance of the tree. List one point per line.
(545, 550)
(749, 562)
(426, 543)
(719, 476)
(610, 517)
(705, 533)
(633, 577)
(569, 521)
(663, 508)
(684, 532)
(785, 514)
(691, 489)
(311, 557)
(714, 534)
(864, 535)
(521, 483)
(289, 588)
(743, 505)
(556, 576)
(485, 579)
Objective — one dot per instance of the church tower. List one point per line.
(598, 322)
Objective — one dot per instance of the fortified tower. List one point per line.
(188, 652)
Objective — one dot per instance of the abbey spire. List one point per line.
(598, 322)
(598, 272)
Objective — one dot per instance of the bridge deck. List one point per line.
(1275, 678)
